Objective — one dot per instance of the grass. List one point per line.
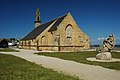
(81, 58)
(14, 68)
(8, 50)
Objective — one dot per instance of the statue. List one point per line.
(38, 12)
(105, 49)
(38, 15)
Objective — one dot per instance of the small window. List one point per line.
(22, 43)
(80, 39)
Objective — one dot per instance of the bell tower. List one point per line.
(37, 18)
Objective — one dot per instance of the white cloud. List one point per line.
(117, 38)
(101, 38)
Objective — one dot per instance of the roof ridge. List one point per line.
(56, 18)
(62, 15)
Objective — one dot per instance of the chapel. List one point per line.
(59, 34)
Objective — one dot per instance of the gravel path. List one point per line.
(84, 71)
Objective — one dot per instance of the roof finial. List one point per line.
(37, 18)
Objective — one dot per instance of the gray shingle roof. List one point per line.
(38, 30)
(54, 27)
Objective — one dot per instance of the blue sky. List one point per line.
(97, 18)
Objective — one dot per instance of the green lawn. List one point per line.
(8, 50)
(81, 57)
(14, 68)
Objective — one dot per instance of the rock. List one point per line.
(104, 56)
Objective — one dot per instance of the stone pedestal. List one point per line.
(104, 56)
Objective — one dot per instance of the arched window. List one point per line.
(43, 40)
(69, 34)
(21, 42)
(25, 43)
(69, 31)
(29, 43)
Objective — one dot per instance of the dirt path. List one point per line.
(84, 71)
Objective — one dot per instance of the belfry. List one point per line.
(37, 18)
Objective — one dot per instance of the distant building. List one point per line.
(59, 34)
(13, 42)
(8, 42)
